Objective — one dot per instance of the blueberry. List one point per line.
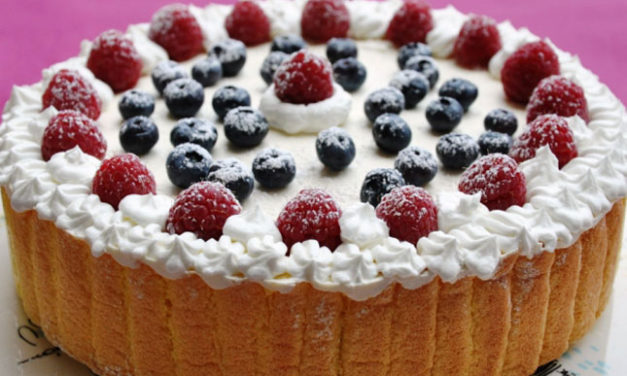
(207, 71)
(166, 72)
(274, 168)
(341, 48)
(245, 127)
(412, 84)
(391, 133)
(288, 43)
(234, 175)
(494, 142)
(456, 150)
(501, 120)
(232, 56)
(335, 148)
(463, 90)
(184, 97)
(136, 103)
(386, 100)
(444, 114)
(197, 131)
(410, 50)
(138, 135)
(271, 64)
(426, 66)
(417, 165)
(188, 164)
(378, 183)
(229, 97)
(349, 73)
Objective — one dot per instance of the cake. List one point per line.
(333, 263)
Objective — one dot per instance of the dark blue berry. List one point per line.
(341, 48)
(456, 150)
(166, 72)
(386, 100)
(288, 43)
(229, 97)
(349, 73)
(444, 114)
(412, 84)
(463, 90)
(184, 97)
(138, 135)
(502, 121)
(188, 164)
(274, 168)
(494, 142)
(417, 165)
(197, 131)
(378, 183)
(391, 133)
(232, 56)
(136, 103)
(271, 64)
(410, 50)
(207, 71)
(245, 126)
(426, 66)
(234, 175)
(335, 148)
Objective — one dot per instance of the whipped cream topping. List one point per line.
(447, 23)
(362, 23)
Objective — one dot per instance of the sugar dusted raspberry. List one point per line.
(498, 179)
(247, 22)
(411, 23)
(68, 90)
(203, 208)
(557, 95)
(477, 42)
(303, 78)
(313, 214)
(324, 19)
(551, 130)
(174, 28)
(70, 128)
(409, 212)
(526, 67)
(114, 59)
(121, 176)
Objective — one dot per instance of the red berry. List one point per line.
(114, 60)
(71, 128)
(174, 28)
(247, 22)
(203, 208)
(526, 67)
(411, 23)
(303, 78)
(324, 19)
(499, 180)
(477, 42)
(557, 95)
(409, 212)
(313, 214)
(551, 130)
(68, 90)
(121, 176)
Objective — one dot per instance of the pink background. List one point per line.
(37, 33)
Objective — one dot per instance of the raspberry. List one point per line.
(174, 28)
(411, 23)
(202, 209)
(68, 90)
(324, 19)
(551, 130)
(71, 128)
(499, 180)
(477, 42)
(303, 78)
(121, 176)
(114, 59)
(526, 67)
(557, 95)
(409, 212)
(248, 23)
(313, 214)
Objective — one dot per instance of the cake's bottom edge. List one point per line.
(122, 321)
